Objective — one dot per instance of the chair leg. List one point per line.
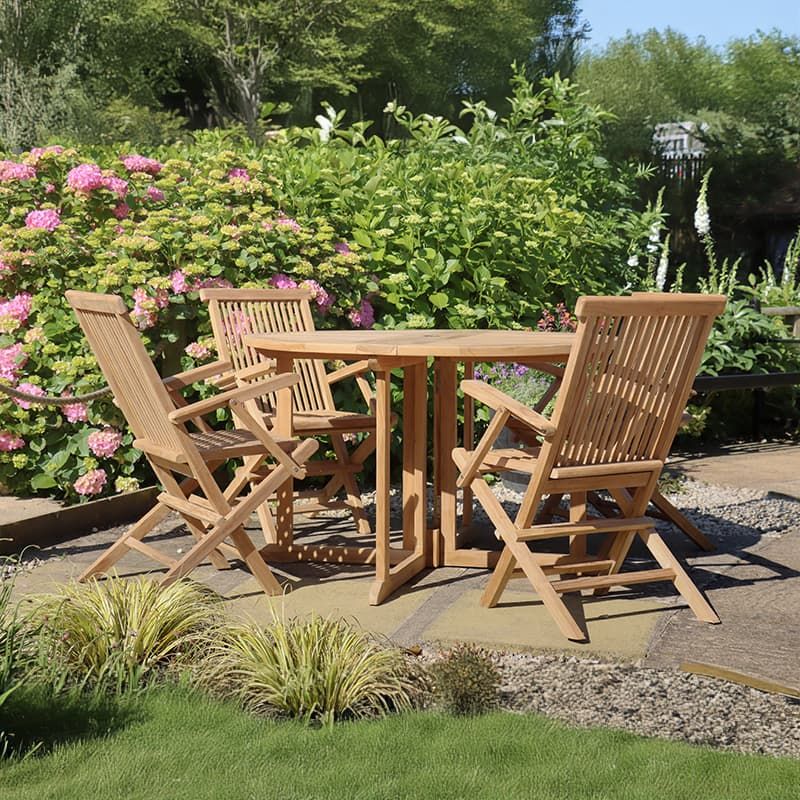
(351, 487)
(547, 594)
(117, 550)
(678, 519)
(499, 579)
(683, 583)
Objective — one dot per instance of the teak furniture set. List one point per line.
(620, 386)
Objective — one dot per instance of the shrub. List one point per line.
(119, 634)
(314, 669)
(481, 227)
(466, 682)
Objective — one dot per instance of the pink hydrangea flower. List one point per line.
(85, 178)
(104, 443)
(288, 222)
(145, 311)
(239, 174)
(10, 441)
(49, 188)
(12, 171)
(323, 300)
(5, 267)
(155, 194)
(36, 153)
(197, 351)
(282, 281)
(211, 283)
(28, 388)
(92, 482)
(363, 316)
(137, 163)
(75, 412)
(179, 283)
(17, 308)
(12, 360)
(47, 219)
(117, 185)
(342, 248)
(121, 210)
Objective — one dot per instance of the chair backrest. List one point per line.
(629, 376)
(237, 312)
(130, 373)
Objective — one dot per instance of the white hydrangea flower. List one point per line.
(633, 261)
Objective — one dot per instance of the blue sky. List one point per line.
(716, 20)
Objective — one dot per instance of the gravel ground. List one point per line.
(590, 692)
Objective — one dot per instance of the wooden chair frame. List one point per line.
(237, 312)
(623, 393)
(184, 462)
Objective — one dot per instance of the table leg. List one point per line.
(284, 522)
(383, 413)
(415, 400)
(392, 573)
(447, 431)
(469, 442)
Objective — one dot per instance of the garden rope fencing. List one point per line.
(51, 400)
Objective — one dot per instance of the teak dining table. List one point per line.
(425, 544)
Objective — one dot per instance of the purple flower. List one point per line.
(281, 281)
(239, 174)
(154, 194)
(342, 248)
(363, 316)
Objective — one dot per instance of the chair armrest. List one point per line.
(496, 399)
(356, 370)
(242, 393)
(256, 371)
(349, 371)
(183, 379)
(232, 379)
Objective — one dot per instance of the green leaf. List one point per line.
(439, 299)
(43, 481)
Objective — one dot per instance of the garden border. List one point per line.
(72, 522)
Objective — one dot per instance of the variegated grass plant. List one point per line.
(120, 634)
(316, 669)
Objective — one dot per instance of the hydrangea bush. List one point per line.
(156, 232)
(480, 225)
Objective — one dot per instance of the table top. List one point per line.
(438, 343)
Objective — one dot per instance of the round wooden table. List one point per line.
(409, 350)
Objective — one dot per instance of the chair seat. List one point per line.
(215, 445)
(313, 423)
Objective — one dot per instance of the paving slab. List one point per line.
(772, 466)
(757, 596)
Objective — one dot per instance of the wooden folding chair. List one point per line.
(158, 416)
(237, 312)
(624, 389)
(659, 506)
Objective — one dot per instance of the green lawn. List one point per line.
(173, 746)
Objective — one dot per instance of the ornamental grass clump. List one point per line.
(315, 669)
(12, 642)
(466, 681)
(120, 634)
